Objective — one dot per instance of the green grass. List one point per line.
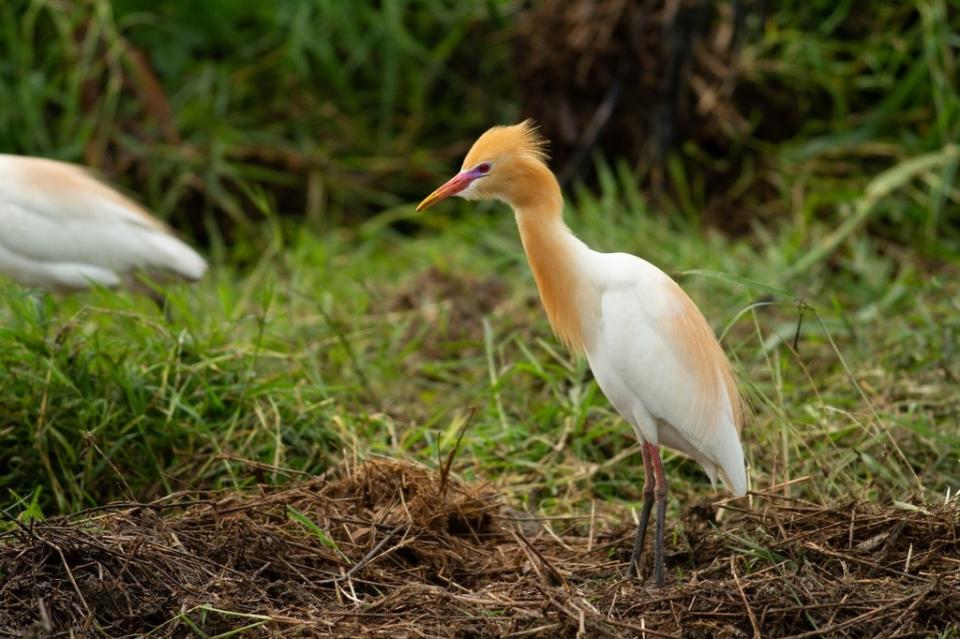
(312, 341)
(313, 354)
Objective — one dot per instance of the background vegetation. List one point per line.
(815, 218)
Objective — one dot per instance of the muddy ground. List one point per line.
(393, 549)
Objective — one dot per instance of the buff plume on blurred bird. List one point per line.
(61, 229)
(652, 352)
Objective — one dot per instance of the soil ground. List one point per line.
(388, 548)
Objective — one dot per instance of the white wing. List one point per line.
(63, 229)
(659, 363)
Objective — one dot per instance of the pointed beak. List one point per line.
(454, 185)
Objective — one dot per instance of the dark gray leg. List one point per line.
(648, 490)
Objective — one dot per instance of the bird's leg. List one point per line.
(661, 497)
(648, 487)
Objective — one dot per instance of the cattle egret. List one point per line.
(650, 349)
(61, 229)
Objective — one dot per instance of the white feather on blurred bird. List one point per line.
(61, 229)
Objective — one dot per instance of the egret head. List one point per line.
(503, 164)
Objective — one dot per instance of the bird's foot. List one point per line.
(634, 573)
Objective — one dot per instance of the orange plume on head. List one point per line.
(517, 140)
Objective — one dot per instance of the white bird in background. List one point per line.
(651, 350)
(61, 229)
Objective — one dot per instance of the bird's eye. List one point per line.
(482, 168)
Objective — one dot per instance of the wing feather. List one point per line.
(665, 355)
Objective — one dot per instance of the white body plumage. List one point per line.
(62, 229)
(639, 352)
(651, 351)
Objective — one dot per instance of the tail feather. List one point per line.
(731, 467)
(175, 256)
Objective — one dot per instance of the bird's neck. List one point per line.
(554, 254)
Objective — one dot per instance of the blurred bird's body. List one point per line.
(61, 229)
(651, 351)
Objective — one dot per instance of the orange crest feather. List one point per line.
(519, 140)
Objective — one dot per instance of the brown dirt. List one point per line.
(395, 549)
(451, 307)
(469, 297)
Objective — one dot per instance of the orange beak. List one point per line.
(454, 185)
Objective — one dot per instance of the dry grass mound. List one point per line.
(390, 548)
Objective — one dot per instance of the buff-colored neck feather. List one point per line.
(551, 252)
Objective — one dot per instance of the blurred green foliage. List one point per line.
(328, 107)
(863, 87)
(222, 111)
